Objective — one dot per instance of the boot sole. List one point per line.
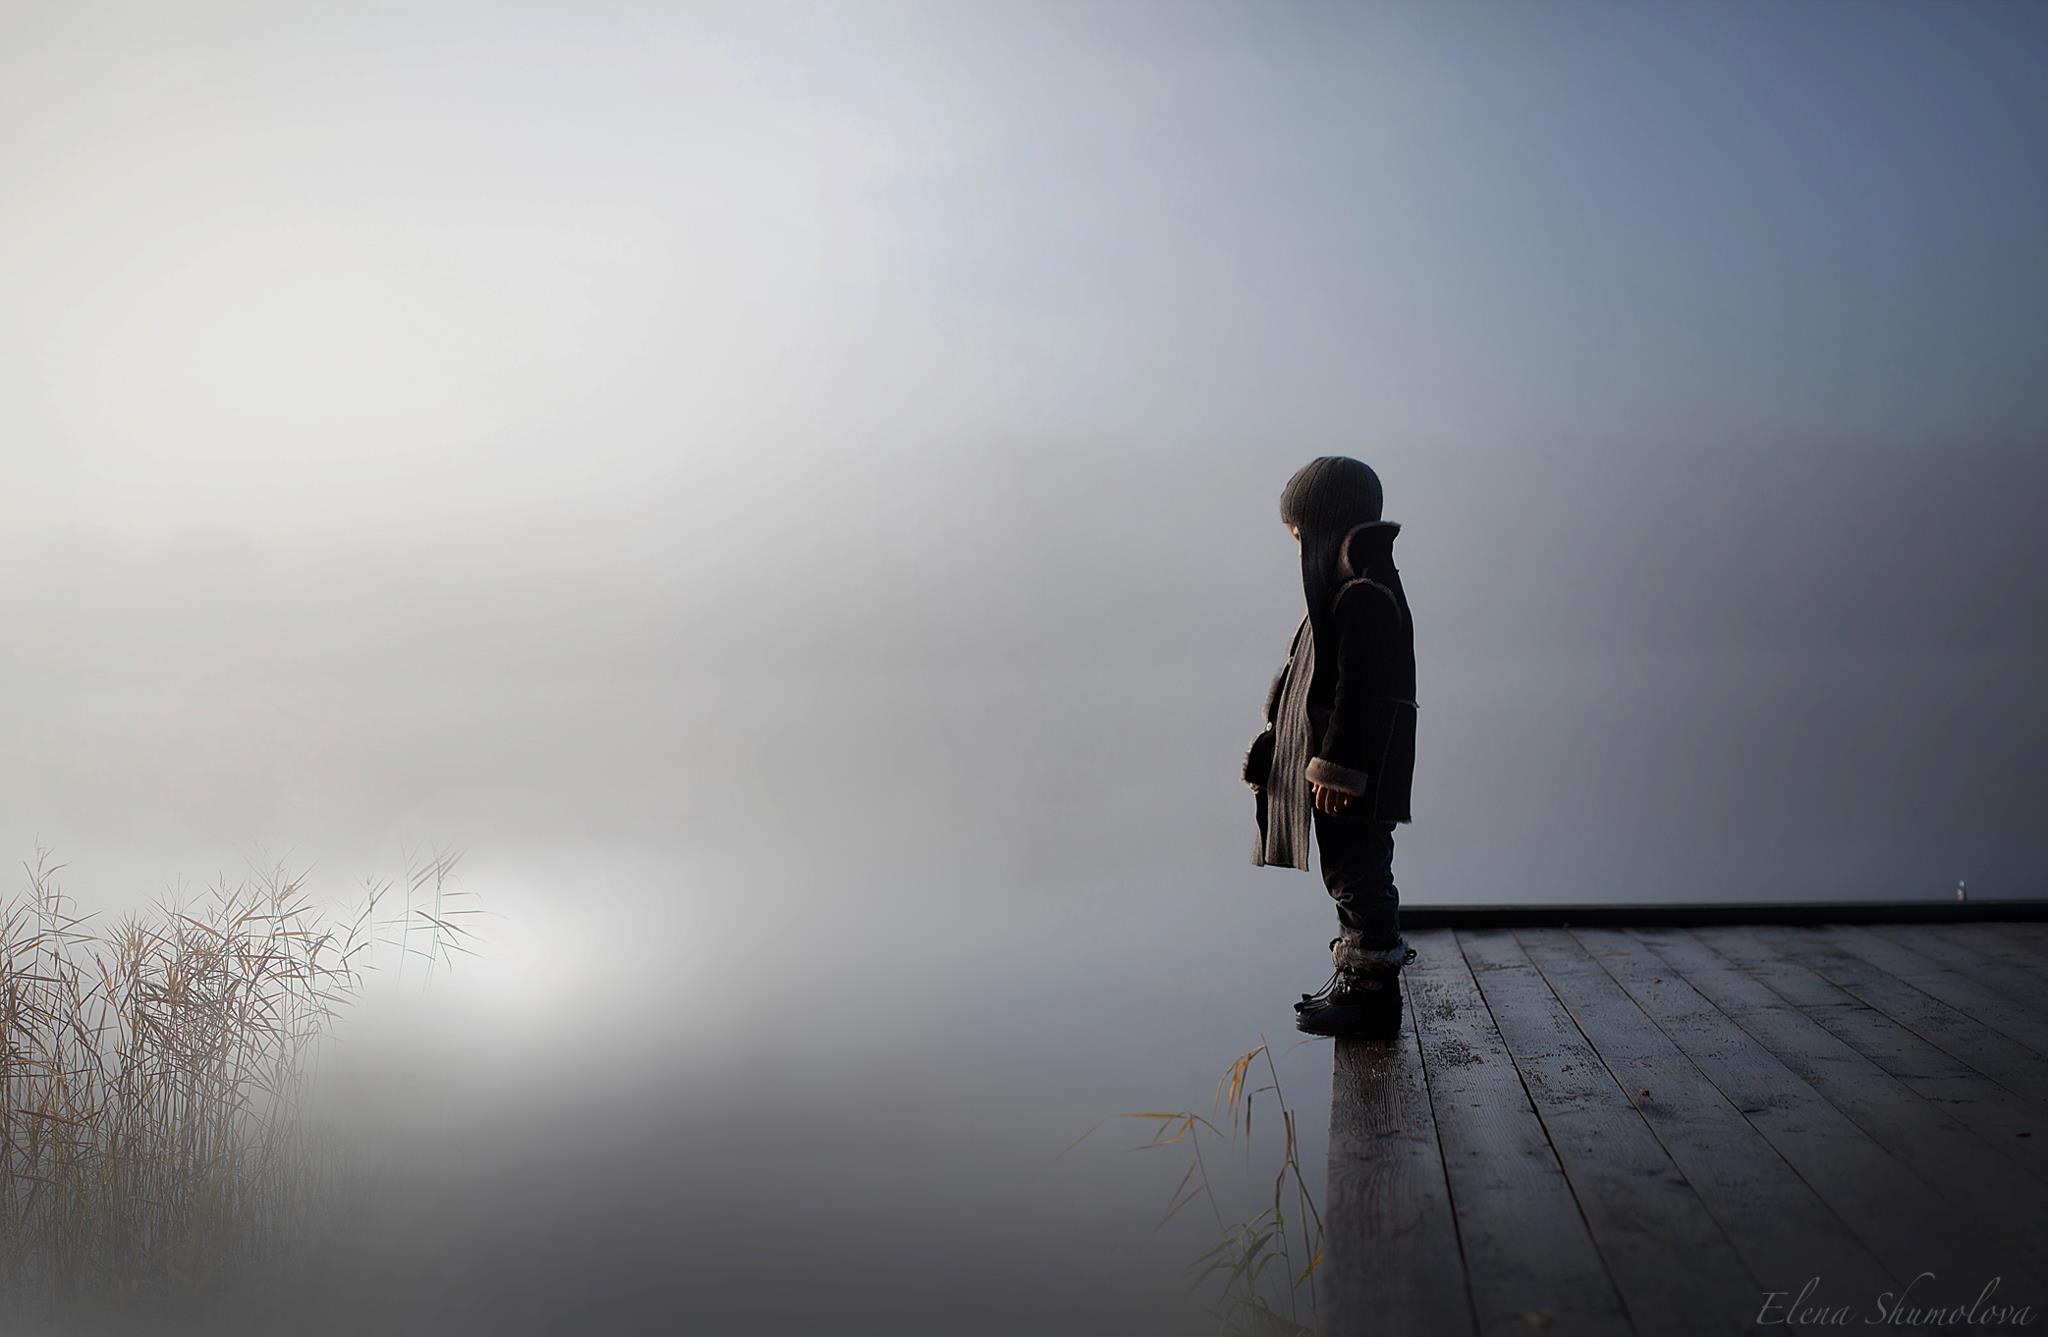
(1385, 1026)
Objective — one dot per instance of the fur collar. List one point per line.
(1367, 550)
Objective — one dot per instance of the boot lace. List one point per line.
(1329, 986)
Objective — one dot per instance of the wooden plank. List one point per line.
(1996, 942)
(1391, 1259)
(1793, 980)
(1676, 1270)
(1996, 1055)
(1529, 1256)
(2020, 982)
(2022, 933)
(1784, 1230)
(1897, 1215)
(1961, 991)
(1994, 1111)
(1971, 1172)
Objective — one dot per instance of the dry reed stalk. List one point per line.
(1254, 1263)
(154, 1073)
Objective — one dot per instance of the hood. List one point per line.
(1328, 499)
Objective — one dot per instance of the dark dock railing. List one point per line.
(1723, 912)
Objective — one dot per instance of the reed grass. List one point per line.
(154, 1139)
(1261, 1269)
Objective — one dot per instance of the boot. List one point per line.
(1356, 960)
(1366, 1004)
(1363, 997)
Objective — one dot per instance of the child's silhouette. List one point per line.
(1338, 751)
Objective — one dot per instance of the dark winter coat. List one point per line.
(1360, 694)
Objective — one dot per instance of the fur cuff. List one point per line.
(1332, 776)
(1347, 954)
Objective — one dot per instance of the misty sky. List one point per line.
(627, 423)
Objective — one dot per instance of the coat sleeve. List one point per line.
(1370, 622)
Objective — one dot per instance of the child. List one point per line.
(1338, 750)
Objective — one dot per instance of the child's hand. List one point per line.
(1330, 800)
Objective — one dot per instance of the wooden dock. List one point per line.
(1665, 1128)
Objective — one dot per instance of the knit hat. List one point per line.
(1327, 498)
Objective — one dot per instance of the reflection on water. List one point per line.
(631, 1128)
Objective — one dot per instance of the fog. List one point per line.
(792, 490)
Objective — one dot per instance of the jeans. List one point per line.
(1358, 868)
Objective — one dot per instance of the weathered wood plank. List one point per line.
(1896, 1213)
(1974, 1175)
(1964, 992)
(1391, 1258)
(1997, 942)
(2021, 982)
(2023, 933)
(1996, 1055)
(1784, 1230)
(1998, 1115)
(1529, 1256)
(1675, 1269)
